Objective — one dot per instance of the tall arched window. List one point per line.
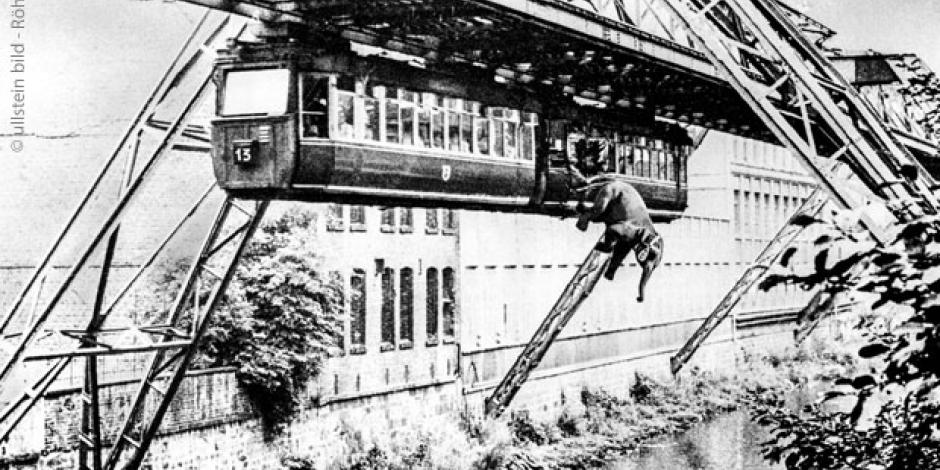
(431, 306)
(388, 309)
(357, 311)
(337, 285)
(406, 308)
(449, 303)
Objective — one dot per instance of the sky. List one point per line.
(882, 25)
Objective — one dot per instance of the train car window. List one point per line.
(624, 157)
(644, 157)
(431, 310)
(683, 165)
(313, 106)
(655, 153)
(528, 136)
(466, 132)
(453, 131)
(671, 156)
(482, 131)
(510, 130)
(261, 91)
(406, 308)
(430, 221)
(406, 220)
(527, 141)
(574, 140)
(392, 122)
(388, 309)
(388, 219)
(345, 115)
(498, 138)
(556, 137)
(663, 158)
(371, 106)
(449, 303)
(666, 164)
(611, 151)
(357, 311)
(423, 137)
(407, 103)
(437, 123)
(618, 160)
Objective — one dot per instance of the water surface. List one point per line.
(728, 442)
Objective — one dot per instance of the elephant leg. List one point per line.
(623, 235)
(608, 243)
(620, 252)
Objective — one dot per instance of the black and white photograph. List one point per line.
(469, 234)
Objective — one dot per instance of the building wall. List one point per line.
(372, 248)
(514, 267)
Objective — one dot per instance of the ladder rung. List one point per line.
(242, 209)
(213, 273)
(746, 48)
(130, 440)
(708, 7)
(155, 388)
(86, 440)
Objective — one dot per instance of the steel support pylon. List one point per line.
(815, 112)
(168, 366)
(578, 289)
(182, 90)
(770, 254)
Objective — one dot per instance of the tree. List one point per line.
(903, 332)
(278, 320)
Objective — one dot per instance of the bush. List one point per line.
(893, 424)
(277, 322)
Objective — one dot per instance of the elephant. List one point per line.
(629, 227)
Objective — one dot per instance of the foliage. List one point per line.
(893, 423)
(592, 430)
(277, 322)
(922, 90)
(279, 319)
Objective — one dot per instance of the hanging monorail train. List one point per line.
(304, 124)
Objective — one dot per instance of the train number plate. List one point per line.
(244, 152)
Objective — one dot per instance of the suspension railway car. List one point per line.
(297, 122)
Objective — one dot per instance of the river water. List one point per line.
(728, 442)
